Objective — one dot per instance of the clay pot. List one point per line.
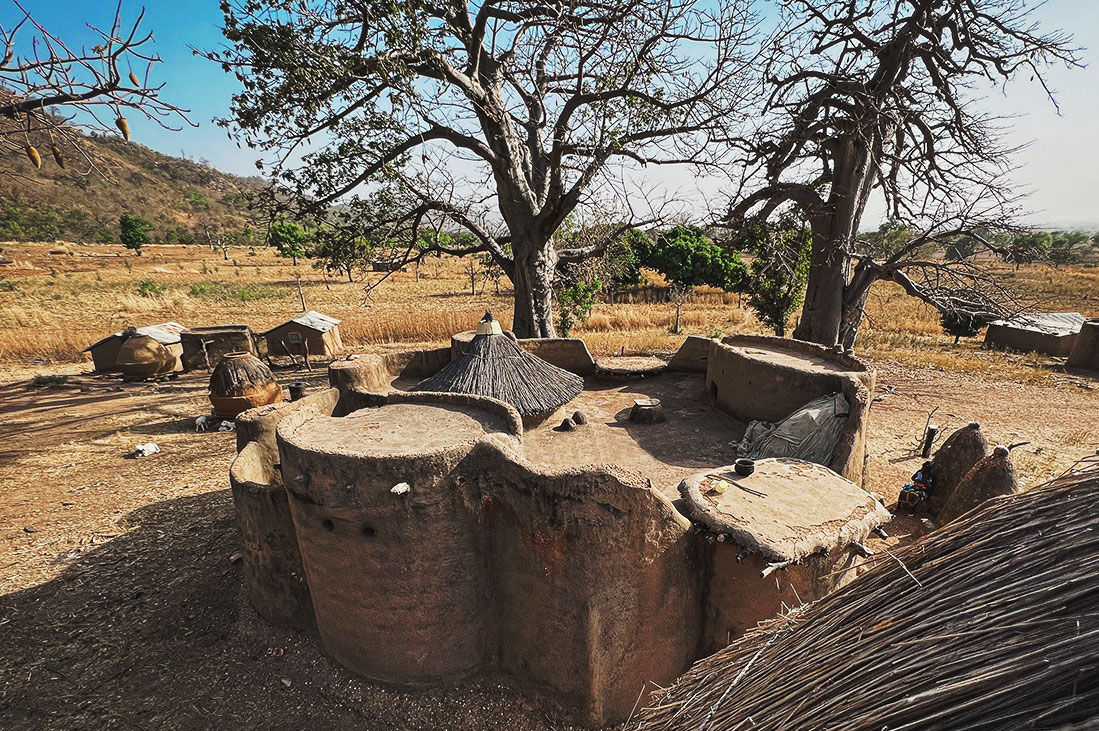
(241, 381)
(142, 355)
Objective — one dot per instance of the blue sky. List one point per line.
(1060, 167)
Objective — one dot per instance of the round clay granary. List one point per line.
(386, 542)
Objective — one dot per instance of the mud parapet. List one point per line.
(413, 533)
(768, 378)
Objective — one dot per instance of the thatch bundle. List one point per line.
(990, 623)
(953, 461)
(991, 477)
(241, 381)
(494, 365)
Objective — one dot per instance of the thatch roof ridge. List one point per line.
(495, 366)
(989, 623)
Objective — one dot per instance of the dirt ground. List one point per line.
(120, 600)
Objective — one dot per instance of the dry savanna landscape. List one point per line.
(639, 365)
(121, 577)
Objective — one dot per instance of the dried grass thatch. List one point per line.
(240, 374)
(494, 365)
(991, 623)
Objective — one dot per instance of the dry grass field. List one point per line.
(55, 300)
(120, 601)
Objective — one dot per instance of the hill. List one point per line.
(184, 199)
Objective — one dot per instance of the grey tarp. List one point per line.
(810, 433)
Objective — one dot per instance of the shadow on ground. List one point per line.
(150, 630)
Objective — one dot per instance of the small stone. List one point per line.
(400, 488)
(235, 557)
(565, 425)
(579, 417)
(29, 529)
(286, 682)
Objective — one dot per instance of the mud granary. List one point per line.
(427, 537)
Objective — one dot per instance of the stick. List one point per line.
(772, 568)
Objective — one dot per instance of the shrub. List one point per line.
(149, 288)
(778, 273)
(687, 258)
(574, 304)
(41, 380)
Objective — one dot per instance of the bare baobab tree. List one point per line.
(880, 98)
(497, 118)
(50, 90)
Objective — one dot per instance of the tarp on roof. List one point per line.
(166, 333)
(810, 433)
(313, 320)
(1049, 323)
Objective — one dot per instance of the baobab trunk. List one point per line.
(822, 312)
(834, 230)
(533, 281)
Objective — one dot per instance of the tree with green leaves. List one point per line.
(501, 118)
(575, 301)
(687, 258)
(289, 239)
(134, 231)
(1028, 247)
(336, 252)
(777, 274)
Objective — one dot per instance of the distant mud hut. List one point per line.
(494, 365)
(1052, 333)
(1085, 353)
(204, 347)
(310, 333)
(990, 623)
(105, 352)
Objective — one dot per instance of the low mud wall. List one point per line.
(572, 354)
(767, 378)
(1003, 337)
(418, 569)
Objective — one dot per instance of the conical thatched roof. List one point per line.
(990, 623)
(494, 365)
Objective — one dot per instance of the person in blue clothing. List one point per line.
(915, 493)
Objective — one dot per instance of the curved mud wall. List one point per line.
(747, 376)
(587, 585)
(273, 575)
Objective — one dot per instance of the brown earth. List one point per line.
(120, 601)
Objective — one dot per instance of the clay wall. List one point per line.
(595, 587)
(1003, 337)
(587, 585)
(273, 576)
(737, 596)
(693, 356)
(748, 377)
(1085, 352)
(572, 354)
